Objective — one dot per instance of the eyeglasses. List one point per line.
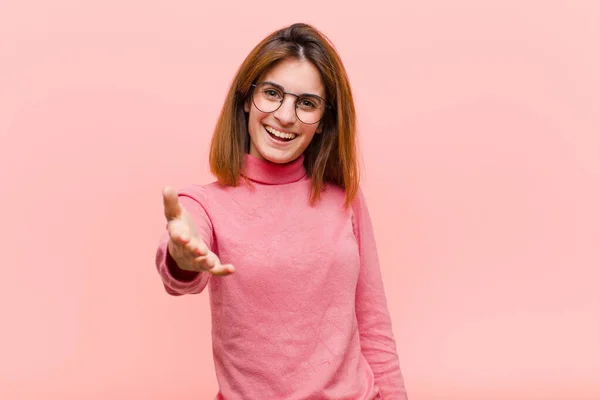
(268, 97)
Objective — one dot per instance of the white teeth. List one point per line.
(280, 134)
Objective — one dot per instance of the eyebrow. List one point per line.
(283, 90)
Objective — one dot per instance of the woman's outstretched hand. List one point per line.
(185, 245)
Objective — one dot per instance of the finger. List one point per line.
(197, 247)
(206, 262)
(222, 269)
(171, 204)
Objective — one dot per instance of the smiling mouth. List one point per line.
(280, 136)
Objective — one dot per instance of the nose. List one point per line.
(286, 114)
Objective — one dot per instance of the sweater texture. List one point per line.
(305, 314)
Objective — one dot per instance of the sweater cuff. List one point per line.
(178, 273)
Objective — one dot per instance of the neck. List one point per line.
(267, 172)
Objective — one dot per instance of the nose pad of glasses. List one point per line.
(282, 110)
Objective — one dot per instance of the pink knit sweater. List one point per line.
(305, 315)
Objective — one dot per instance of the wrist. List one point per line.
(177, 272)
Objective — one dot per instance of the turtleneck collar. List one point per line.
(270, 173)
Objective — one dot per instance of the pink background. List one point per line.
(480, 129)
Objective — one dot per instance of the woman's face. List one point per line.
(279, 136)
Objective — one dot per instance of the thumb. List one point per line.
(171, 204)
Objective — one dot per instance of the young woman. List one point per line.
(283, 240)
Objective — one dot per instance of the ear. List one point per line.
(319, 128)
(247, 106)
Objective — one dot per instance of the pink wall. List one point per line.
(481, 137)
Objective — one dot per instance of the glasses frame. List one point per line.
(297, 96)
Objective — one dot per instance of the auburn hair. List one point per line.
(331, 156)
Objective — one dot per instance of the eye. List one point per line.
(272, 93)
(307, 103)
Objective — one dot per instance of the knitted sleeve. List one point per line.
(374, 322)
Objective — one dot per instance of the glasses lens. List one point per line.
(268, 98)
(309, 109)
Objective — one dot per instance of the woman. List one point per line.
(283, 239)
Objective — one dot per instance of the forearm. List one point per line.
(379, 348)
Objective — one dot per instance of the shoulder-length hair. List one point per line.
(331, 156)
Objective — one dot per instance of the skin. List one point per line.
(296, 77)
(185, 245)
